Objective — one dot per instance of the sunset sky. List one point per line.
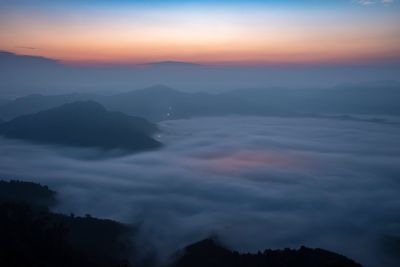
(213, 32)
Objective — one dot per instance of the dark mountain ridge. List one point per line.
(32, 235)
(209, 253)
(27, 193)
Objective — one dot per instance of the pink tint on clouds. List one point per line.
(245, 160)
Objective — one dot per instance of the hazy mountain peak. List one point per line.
(82, 106)
(30, 96)
(158, 89)
(11, 59)
(170, 63)
(373, 84)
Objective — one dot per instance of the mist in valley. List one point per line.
(254, 182)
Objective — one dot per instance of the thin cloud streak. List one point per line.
(373, 2)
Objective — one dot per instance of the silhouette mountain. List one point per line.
(32, 235)
(390, 246)
(209, 253)
(83, 124)
(26, 192)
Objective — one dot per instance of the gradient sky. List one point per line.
(232, 32)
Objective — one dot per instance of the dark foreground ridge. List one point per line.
(83, 124)
(27, 192)
(32, 236)
(209, 253)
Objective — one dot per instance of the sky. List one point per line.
(214, 32)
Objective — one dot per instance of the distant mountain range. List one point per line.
(83, 124)
(24, 74)
(9, 59)
(160, 102)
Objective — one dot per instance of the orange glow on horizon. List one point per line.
(270, 37)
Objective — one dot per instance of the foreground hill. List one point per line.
(209, 253)
(32, 235)
(26, 192)
(83, 124)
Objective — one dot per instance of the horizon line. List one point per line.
(238, 63)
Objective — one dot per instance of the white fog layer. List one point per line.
(255, 182)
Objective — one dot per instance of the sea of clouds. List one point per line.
(254, 182)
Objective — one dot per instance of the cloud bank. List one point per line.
(256, 182)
